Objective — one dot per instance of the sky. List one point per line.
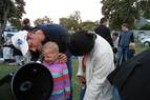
(55, 9)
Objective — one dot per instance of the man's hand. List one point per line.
(62, 58)
(82, 80)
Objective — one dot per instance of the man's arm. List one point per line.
(132, 38)
(120, 37)
(103, 65)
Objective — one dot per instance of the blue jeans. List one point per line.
(122, 55)
(82, 92)
(115, 94)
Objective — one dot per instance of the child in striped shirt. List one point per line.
(59, 71)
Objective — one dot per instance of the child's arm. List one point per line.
(66, 81)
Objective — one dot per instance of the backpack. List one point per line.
(132, 79)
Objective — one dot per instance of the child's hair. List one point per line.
(50, 45)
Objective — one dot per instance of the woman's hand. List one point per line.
(82, 80)
(62, 58)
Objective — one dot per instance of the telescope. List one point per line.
(32, 81)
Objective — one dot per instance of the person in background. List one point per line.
(26, 25)
(115, 39)
(126, 37)
(58, 70)
(21, 49)
(99, 63)
(131, 52)
(104, 31)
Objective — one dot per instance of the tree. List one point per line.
(11, 10)
(71, 22)
(44, 20)
(120, 11)
(76, 16)
(88, 25)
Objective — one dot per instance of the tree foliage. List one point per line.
(11, 10)
(74, 22)
(69, 23)
(125, 11)
(44, 20)
(88, 25)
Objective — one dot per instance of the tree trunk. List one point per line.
(3, 25)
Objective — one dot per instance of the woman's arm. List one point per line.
(103, 65)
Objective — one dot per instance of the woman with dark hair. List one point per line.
(98, 61)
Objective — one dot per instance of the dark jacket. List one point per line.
(132, 79)
(105, 33)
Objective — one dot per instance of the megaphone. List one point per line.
(32, 81)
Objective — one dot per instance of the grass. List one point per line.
(5, 93)
(140, 47)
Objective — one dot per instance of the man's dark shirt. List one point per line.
(105, 33)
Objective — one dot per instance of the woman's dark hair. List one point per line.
(81, 43)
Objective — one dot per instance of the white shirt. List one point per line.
(100, 64)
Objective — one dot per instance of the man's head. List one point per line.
(125, 27)
(81, 43)
(50, 52)
(103, 21)
(26, 21)
(45, 33)
(35, 39)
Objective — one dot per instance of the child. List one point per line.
(115, 39)
(131, 52)
(59, 72)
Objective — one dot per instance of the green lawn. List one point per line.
(5, 93)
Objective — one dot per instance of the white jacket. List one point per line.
(99, 65)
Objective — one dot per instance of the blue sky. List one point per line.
(89, 9)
